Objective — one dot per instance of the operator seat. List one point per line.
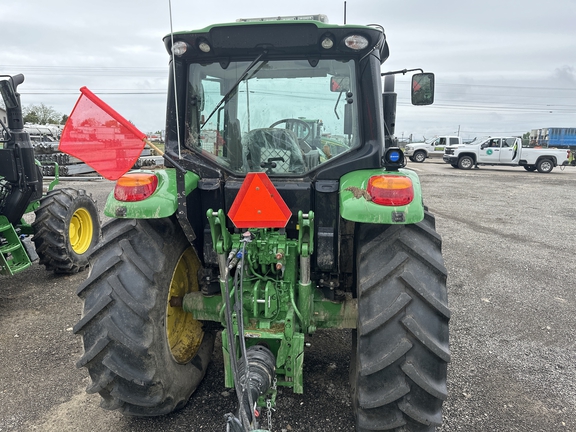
(263, 147)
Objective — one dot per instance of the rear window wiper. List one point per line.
(229, 93)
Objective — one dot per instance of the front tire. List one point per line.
(145, 358)
(399, 365)
(544, 166)
(419, 156)
(465, 162)
(530, 168)
(66, 230)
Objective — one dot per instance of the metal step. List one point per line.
(13, 256)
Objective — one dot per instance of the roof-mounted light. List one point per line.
(356, 42)
(204, 46)
(327, 42)
(179, 48)
(320, 17)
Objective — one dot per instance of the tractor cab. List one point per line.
(243, 105)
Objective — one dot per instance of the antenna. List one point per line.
(344, 13)
(174, 78)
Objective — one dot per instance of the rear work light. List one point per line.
(179, 48)
(135, 187)
(356, 42)
(391, 190)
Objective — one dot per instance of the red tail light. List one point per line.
(135, 187)
(391, 190)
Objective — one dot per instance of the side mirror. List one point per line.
(423, 89)
(339, 84)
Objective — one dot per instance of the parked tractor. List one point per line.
(253, 231)
(66, 226)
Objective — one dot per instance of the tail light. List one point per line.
(391, 190)
(135, 187)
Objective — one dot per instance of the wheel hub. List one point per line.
(183, 333)
(81, 231)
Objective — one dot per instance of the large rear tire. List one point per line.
(66, 229)
(145, 358)
(400, 357)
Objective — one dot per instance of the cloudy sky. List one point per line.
(502, 66)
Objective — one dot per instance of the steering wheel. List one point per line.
(308, 128)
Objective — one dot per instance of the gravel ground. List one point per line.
(509, 240)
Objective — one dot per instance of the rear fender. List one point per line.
(161, 204)
(356, 206)
(549, 157)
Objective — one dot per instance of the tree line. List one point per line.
(42, 114)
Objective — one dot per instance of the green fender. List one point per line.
(359, 209)
(162, 203)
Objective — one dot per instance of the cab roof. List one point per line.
(279, 38)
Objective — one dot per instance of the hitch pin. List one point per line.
(263, 301)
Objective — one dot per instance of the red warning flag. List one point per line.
(100, 137)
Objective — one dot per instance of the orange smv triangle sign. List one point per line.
(258, 204)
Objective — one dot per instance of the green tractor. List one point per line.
(66, 226)
(250, 231)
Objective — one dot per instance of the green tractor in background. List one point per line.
(252, 230)
(311, 135)
(66, 226)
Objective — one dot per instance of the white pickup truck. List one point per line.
(504, 151)
(434, 147)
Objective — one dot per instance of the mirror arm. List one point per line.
(336, 106)
(403, 71)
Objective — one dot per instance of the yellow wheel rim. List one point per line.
(81, 231)
(183, 332)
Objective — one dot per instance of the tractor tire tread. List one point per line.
(402, 336)
(51, 228)
(123, 351)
